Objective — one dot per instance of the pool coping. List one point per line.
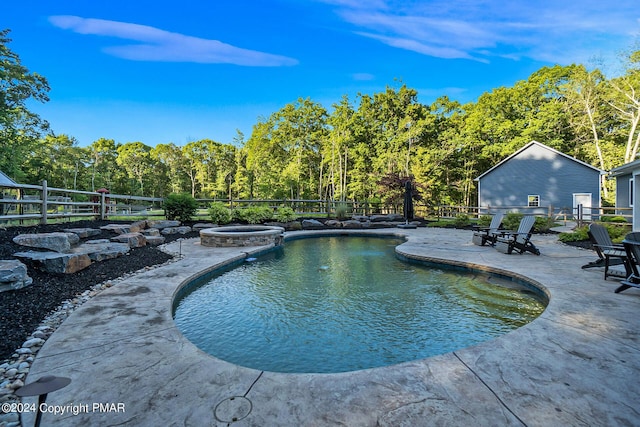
(577, 364)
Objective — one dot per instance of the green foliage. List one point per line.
(219, 213)
(462, 220)
(512, 220)
(285, 214)
(180, 206)
(19, 127)
(484, 220)
(578, 235)
(543, 224)
(253, 214)
(618, 219)
(342, 211)
(616, 232)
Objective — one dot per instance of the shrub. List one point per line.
(285, 214)
(543, 224)
(461, 220)
(180, 206)
(342, 211)
(579, 234)
(617, 232)
(512, 220)
(219, 213)
(254, 214)
(484, 220)
(618, 219)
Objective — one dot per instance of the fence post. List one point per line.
(103, 206)
(580, 215)
(45, 207)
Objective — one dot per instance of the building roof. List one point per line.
(532, 143)
(625, 169)
(4, 179)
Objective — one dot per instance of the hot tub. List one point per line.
(241, 235)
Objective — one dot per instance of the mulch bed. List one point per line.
(21, 311)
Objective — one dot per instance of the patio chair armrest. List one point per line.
(617, 248)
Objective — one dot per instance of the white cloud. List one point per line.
(159, 45)
(546, 30)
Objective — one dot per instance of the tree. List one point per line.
(135, 159)
(172, 159)
(19, 127)
(103, 166)
(624, 98)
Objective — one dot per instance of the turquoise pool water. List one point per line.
(336, 304)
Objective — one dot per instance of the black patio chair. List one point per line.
(608, 252)
(631, 245)
(484, 235)
(520, 241)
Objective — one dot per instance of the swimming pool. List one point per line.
(336, 304)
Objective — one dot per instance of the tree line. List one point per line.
(356, 150)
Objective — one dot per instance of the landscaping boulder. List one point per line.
(59, 242)
(155, 240)
(312, 224)
(134, 240)
(13, 275)
(138, 226)
(354, 223)
(117, 228)
(176, 230)
(55, 262)
(151, 232)
(83, 233)
(160, 224)
(334, 223)
(99, 250)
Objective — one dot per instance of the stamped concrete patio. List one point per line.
(578, 364)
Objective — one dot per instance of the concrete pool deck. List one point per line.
(578, 364)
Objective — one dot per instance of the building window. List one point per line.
(534, 200)
(631, 192)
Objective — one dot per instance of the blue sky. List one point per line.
(161, 71)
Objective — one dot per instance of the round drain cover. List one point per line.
(233, 409)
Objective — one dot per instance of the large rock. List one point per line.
(151, 232)
(312, 224)
(59, 242)
(138, 226)
(83, 233)
(333, 223)
(160, 224)
(54, 262)
(354, 223)
(134, 240)
(155, 240)
(13, 275)
(117, 228)
(176, 230)
(387, 218)
(99, 250)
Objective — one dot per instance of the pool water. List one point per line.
(336, 304)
